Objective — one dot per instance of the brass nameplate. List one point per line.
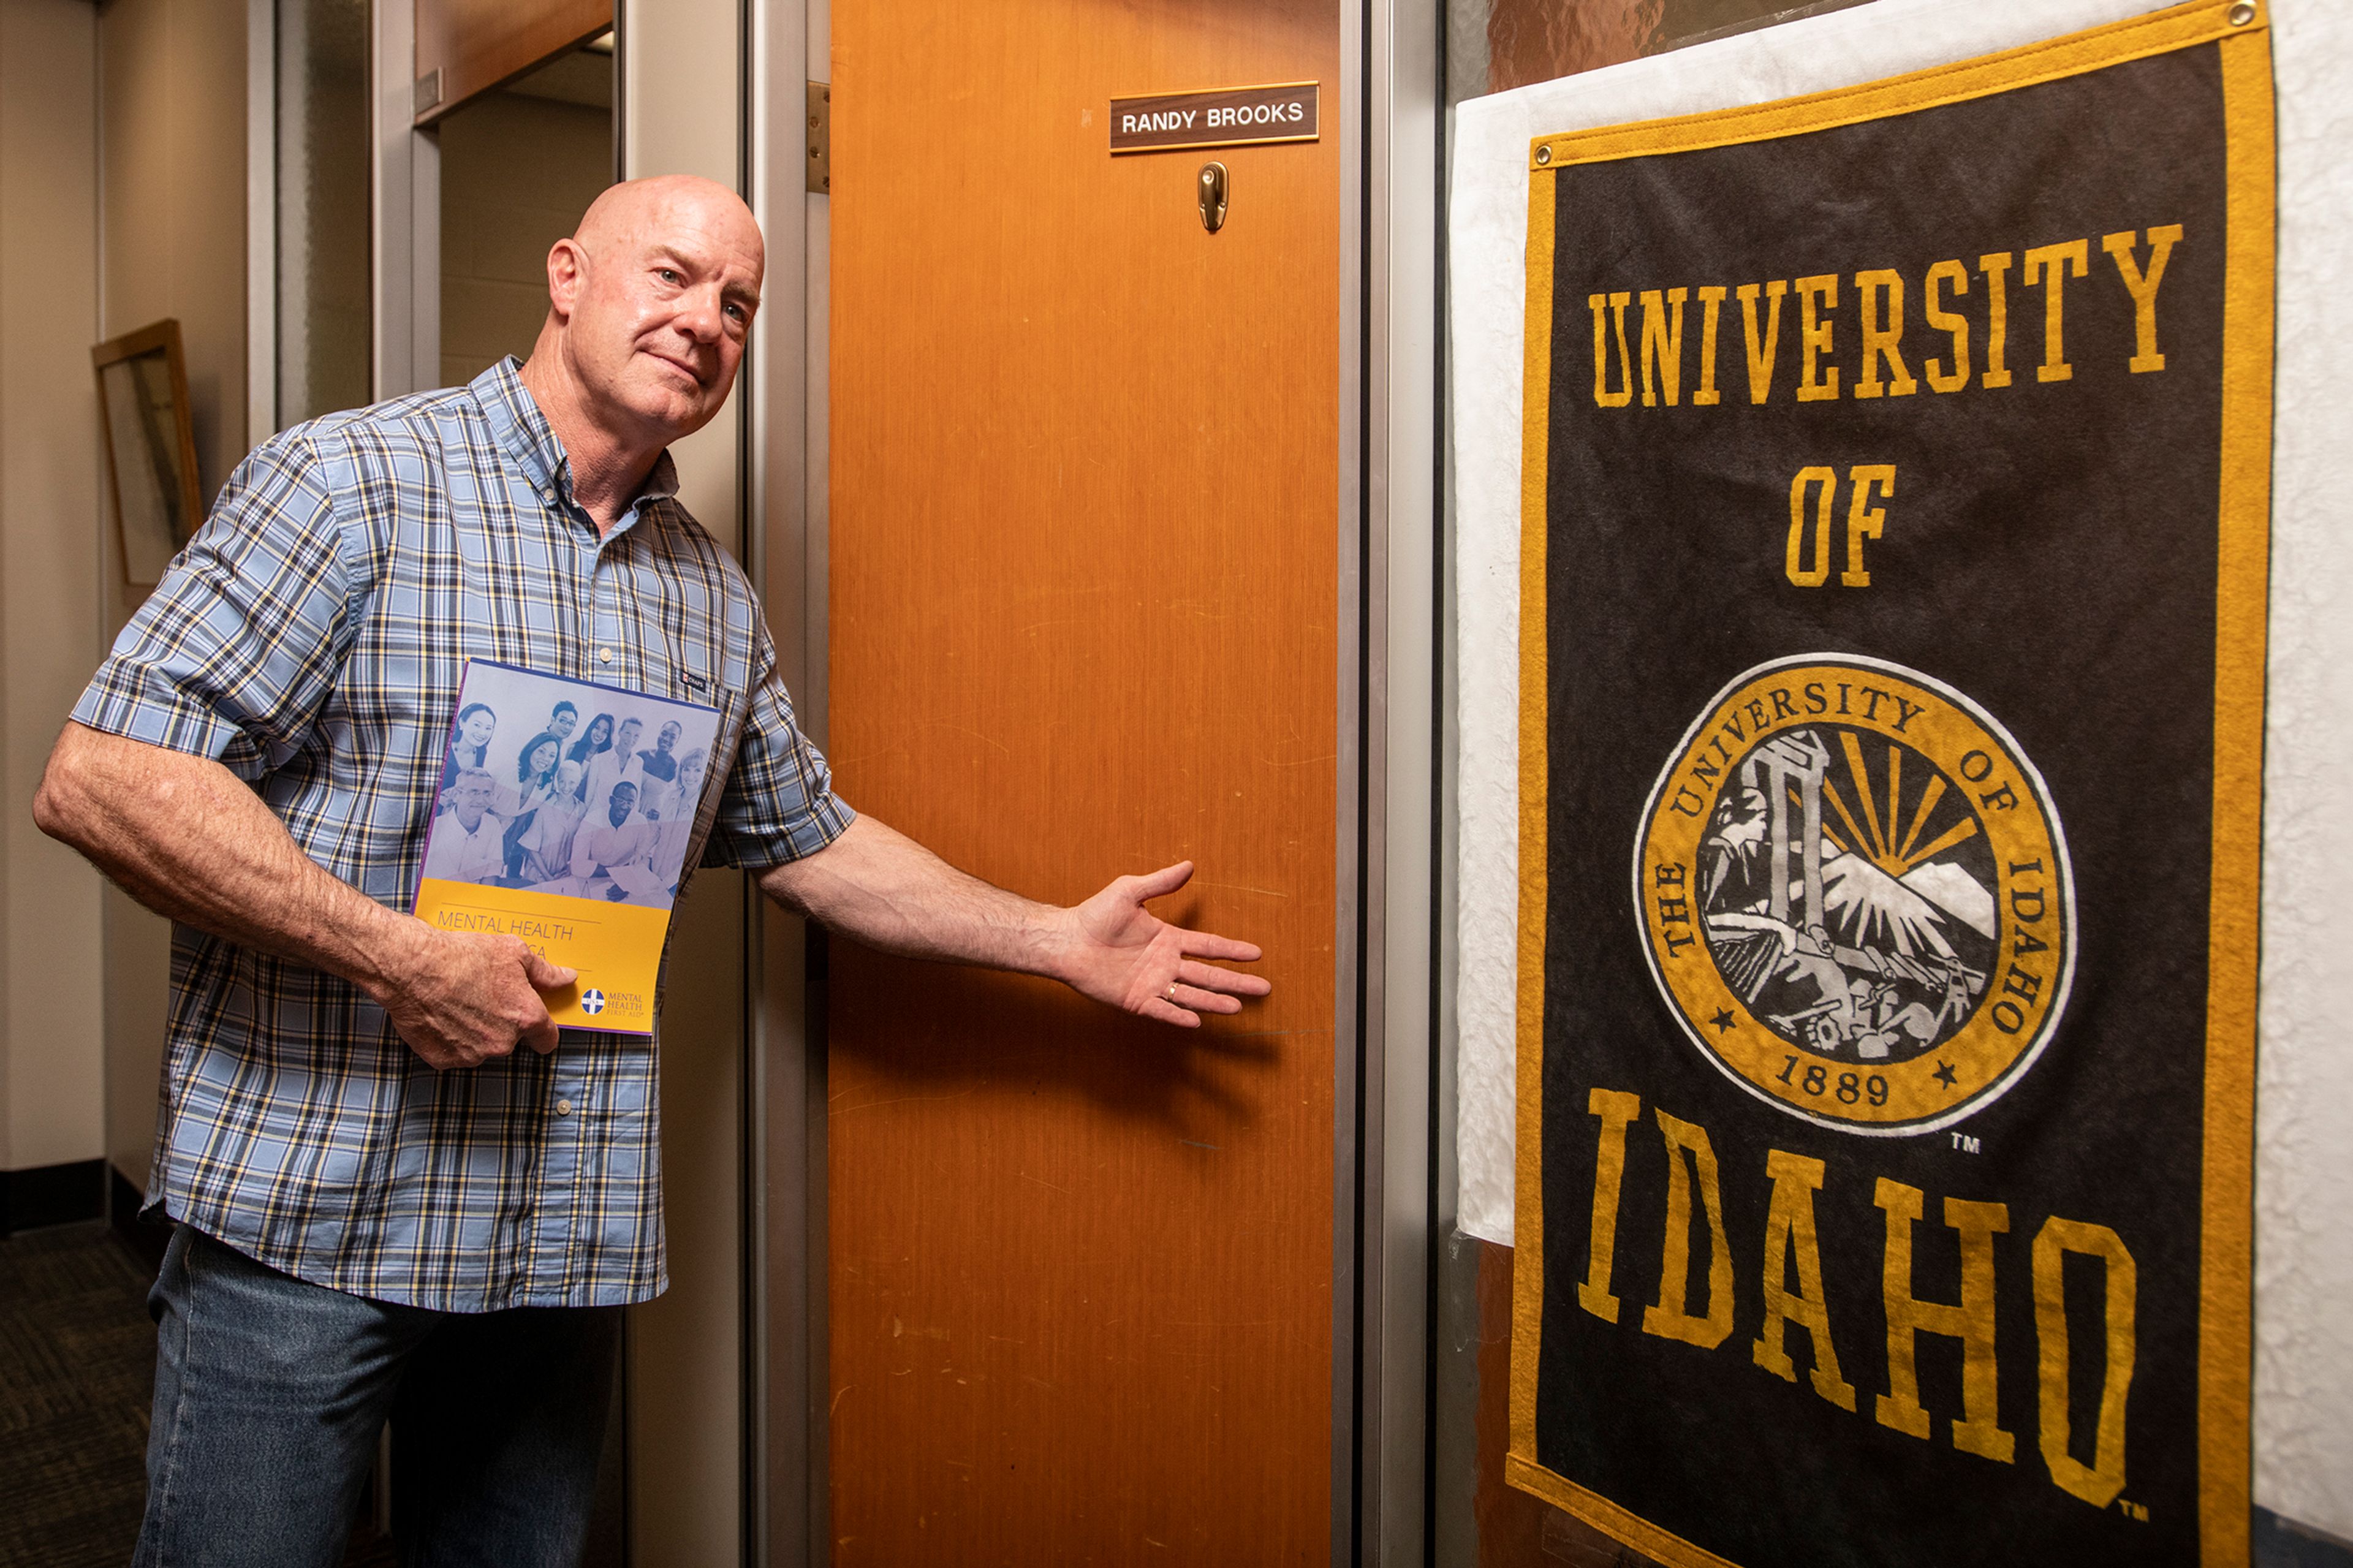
(1220, 117)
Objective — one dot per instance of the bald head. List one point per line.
(627, 213)
(650, 302)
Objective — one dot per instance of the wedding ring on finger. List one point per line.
(1171, 995)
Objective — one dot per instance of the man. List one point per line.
(554, 819)
(603, 852)
(609, 768)
(469, 843)
(658, 771)
(383, 1206)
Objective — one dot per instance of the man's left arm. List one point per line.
(882, 889)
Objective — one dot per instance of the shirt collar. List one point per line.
(523, 432)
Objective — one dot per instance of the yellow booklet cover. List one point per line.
(564, 816)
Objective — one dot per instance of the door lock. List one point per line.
(1212, 191)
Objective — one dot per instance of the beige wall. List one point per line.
(171, 108)
(516, 173)
(51, 1057)
(171, 124)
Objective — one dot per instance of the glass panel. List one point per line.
(1478, 1520)
(519, 166)
(143, 435)
(1494, 45)
(322, 207)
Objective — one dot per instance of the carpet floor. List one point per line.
(77, 1368)
(77, 1372)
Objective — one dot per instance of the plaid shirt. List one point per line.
(311, 638)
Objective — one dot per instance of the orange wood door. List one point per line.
(1083, 591)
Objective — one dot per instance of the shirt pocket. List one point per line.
(696, 675)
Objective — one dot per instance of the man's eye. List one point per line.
(668, 275)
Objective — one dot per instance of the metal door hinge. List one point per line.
(819, 130)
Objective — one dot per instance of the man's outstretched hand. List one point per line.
(877, 886)
(1123, 954)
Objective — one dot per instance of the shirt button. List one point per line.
(562, 1107)
(604, 656)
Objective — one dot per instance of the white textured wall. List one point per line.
(2304, 1305)
(2304, 1108)
(51, 1042)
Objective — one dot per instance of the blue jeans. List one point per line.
(270, 1393)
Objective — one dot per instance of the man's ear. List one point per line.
(567, 269)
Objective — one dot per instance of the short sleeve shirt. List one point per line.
(311, 638)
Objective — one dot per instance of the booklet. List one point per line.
(563, 817)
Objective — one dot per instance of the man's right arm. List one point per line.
(186, 837)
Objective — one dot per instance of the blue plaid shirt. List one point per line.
(311, 638)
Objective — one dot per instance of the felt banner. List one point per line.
(1892, 617)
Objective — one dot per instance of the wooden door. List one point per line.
(1084, 549)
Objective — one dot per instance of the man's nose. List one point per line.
(703, 316)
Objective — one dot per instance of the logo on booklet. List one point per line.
(592, 1002)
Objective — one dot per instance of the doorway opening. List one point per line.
(520, 165)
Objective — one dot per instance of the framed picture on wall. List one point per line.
(150, 446)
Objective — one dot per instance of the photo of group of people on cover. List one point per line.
(564, 787)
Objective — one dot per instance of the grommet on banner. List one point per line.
(2242, 13)
(1544, 156)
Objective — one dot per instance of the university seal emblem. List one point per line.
(1855, 897)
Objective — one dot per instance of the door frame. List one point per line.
(787, 1363)
(404, 207)
(1392, 259)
